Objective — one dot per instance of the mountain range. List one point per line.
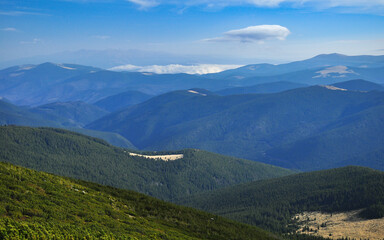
(320, 61)
(269, 113)
(49, 82)
(285, 129)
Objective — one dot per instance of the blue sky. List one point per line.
(243, 30)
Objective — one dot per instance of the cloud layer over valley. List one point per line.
(176, 68)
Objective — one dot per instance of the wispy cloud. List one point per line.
(145, 3)
(258, 33)
(34, 41)
(363, 5)
(21, 13)
(102, 37)
(176, 68)
(9, 29)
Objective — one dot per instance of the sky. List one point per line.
(221, 31)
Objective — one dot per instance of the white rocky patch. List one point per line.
(26, 67)
(333, 88)
(341, 70)
(16, 74)
(65, 67)
(166, 158)
(147, 73)
(202, 94)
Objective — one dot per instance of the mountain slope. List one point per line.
(245, 125)
(272, 203)
(114, 139)
(347, 141)
(24, 85)
(122, 100)
(359, 85)
(96, 86)
(320, 61)
(70, 113)
(37, 205)
(70, 154)
(11, 114)
(23, 116)
(272, 87)
(320, 76)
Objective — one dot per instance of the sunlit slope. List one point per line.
(37, 205)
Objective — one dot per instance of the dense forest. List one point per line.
(71, 154)
(271, 204)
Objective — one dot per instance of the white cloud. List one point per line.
(145, 3)
(9, 29)
(176, 68)
(258, 33)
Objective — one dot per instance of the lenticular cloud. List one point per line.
(258, 33)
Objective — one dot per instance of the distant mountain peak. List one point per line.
(330, 55)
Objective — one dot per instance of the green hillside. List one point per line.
(114, 139)
(12, 114)
(70, 154)
(37, 205)
(354, 140)
(271, 204)
(15, 115)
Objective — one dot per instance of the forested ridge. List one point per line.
(71, 154)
